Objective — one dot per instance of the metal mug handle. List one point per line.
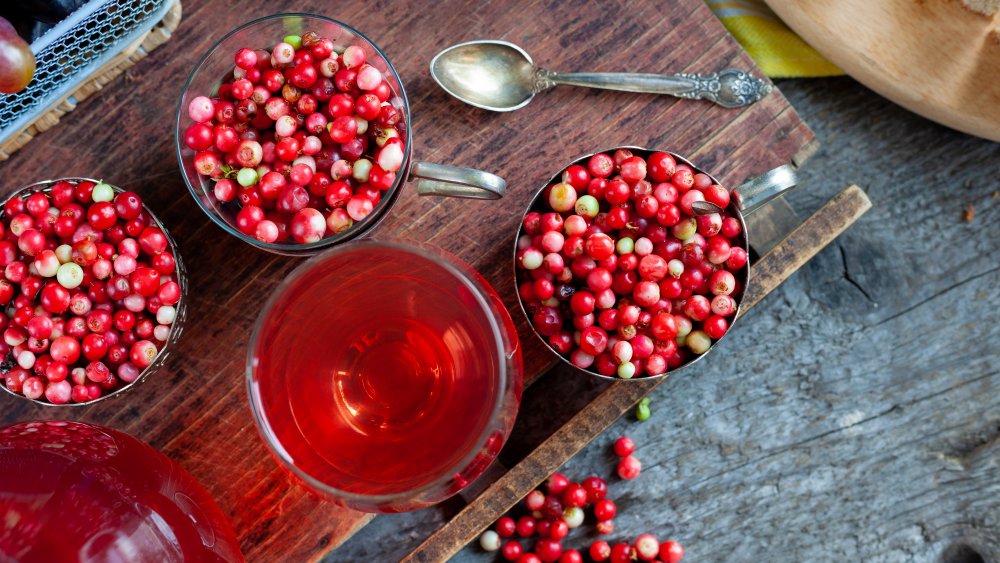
(755, 192)
(454, 181)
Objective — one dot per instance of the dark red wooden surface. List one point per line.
(195, 409)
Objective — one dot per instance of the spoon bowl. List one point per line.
(493, 75)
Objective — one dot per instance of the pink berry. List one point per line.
(201, 109)
(534, 501)
(629, 467)
(59, 392)
(308, 226)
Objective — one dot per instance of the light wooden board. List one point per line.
(934, 57)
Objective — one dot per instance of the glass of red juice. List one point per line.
(384, 376)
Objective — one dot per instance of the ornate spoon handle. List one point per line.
(729, 88)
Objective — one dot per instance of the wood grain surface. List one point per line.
(195, 408)
(819, 230)
(937, 58)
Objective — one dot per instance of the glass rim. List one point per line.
(446, 261)
(176, 328)
(358, 230)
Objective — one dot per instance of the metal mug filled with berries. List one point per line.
(305, 143)
(93, 290)
(633, 262)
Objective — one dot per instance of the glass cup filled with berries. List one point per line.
(633, 262)
(293, 134)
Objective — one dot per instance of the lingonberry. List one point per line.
(558, 530)
(596, 488)
(737, 258)
(698, 341)
(647, 547)
(553, 507)
(489, 541)
(526, 526)
(574, 495)
(505, 527)
(622, 553)
(624, 446)
(512, 551)
(599, 551)
(671, 552)
(715, 326)
(604, 509)
(556, 484)
(548, 550)
(534, 501)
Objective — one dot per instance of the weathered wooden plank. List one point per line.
(785, 258)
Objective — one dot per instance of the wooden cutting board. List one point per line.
(195, 409)
(936, 58)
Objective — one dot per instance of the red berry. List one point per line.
(526, 526)
(629, 467)
(558, 530)
(548, 550)
(600, 551)
(571, 556)
(596, 488)
(715, 326)
(142, 353)
(624, 446)
(661, 166)
(511, 551)
(604, 509)
(574, 495)
(622, 553)
(671, 552)
(505, 527)
(556, 484)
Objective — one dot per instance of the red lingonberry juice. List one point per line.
(380, 368)
(71, 491)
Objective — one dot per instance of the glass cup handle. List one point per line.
(454, 181)
(755, 192)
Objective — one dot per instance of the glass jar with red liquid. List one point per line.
(384, 376)
(77, 492)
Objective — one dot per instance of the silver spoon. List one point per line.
(500, 76)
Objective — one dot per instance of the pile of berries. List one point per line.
(562, 506)
(303, 140)
(620, 275)
(90, 290)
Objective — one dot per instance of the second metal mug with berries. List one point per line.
(632, 262)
